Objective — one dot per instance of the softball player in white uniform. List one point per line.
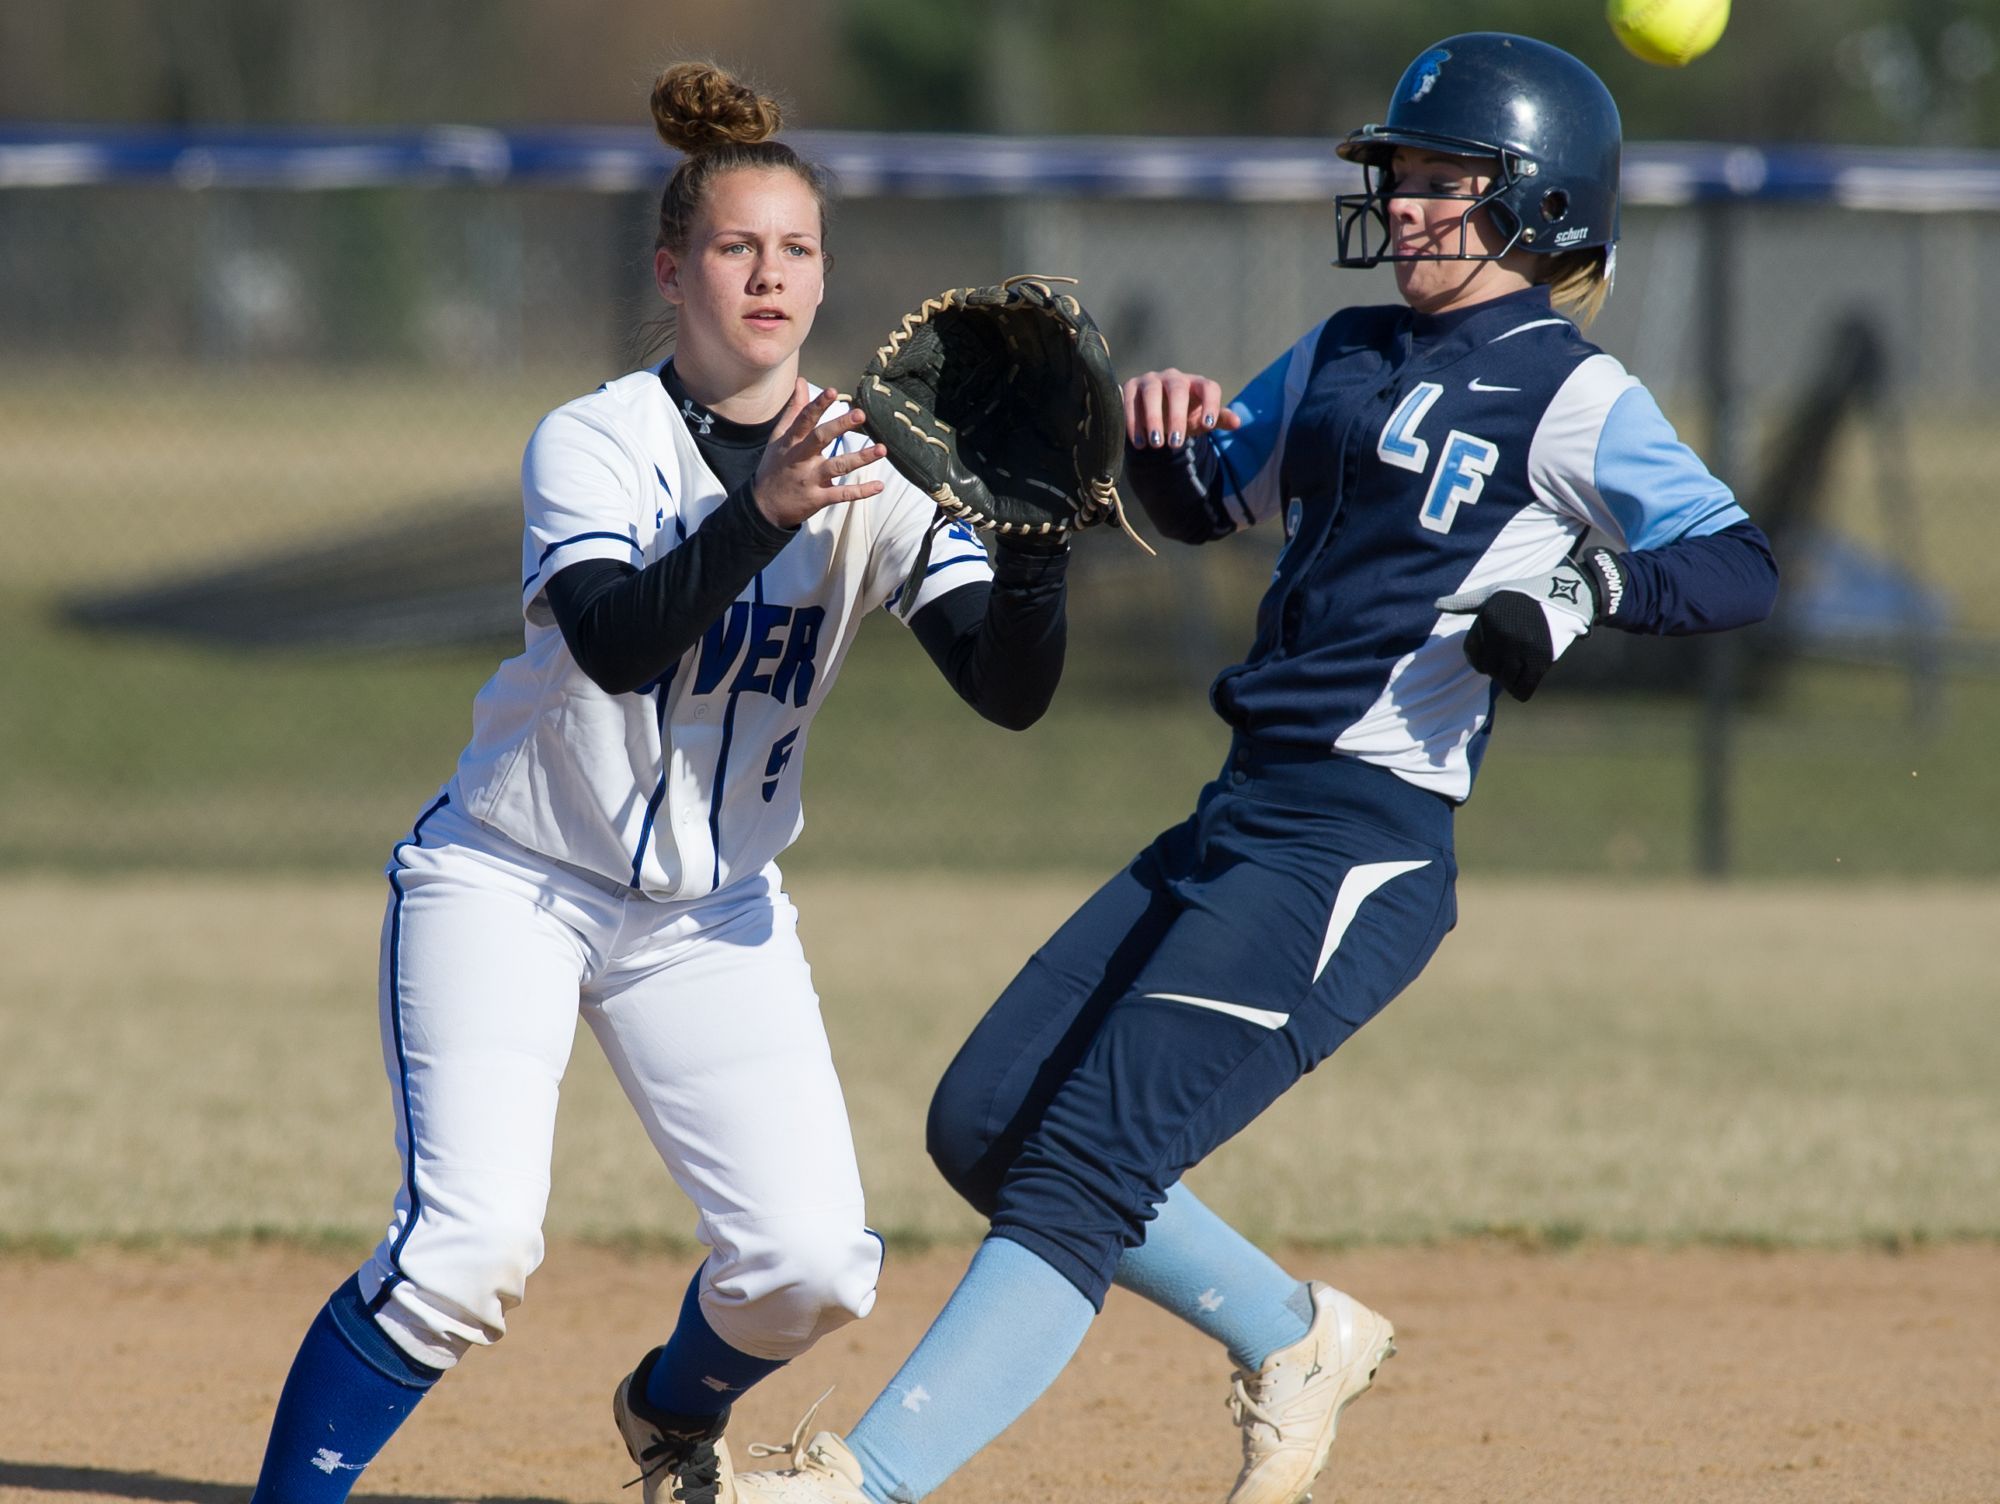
(703, 540)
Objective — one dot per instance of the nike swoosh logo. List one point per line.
(1477, 385)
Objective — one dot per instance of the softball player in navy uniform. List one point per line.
(1466, 486)
(703, 540)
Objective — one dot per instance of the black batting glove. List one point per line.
(1520, 627)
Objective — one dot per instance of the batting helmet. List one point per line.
(1545, 118)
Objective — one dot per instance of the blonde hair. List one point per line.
(720, 123)
(1579, 282)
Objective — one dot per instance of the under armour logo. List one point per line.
(328, 1461)
(916, 1399)
(720, 1386)
(1208, 1300)
(703, 423)
(1564, 590)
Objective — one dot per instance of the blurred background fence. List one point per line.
(263, 396)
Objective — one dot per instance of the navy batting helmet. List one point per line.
(1544, 117)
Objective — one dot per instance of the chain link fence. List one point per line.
(258, 454)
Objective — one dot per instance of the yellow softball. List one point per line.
(1672, 33)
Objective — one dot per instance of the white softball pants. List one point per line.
(707, 1013)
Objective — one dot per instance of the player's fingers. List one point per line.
(795, 409)
(1227, 418)
(847, 464)
(1150, 432)
(805, 427)
(1204, 404)
(1177, 394)
(833, 428)
(1130, 392)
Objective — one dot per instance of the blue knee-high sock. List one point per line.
(1007, 1331)
(697, 1373)
(1207, 1273)
(349, 1389)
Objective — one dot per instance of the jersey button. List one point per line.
(1239, 778)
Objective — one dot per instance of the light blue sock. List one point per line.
(1207, 1273)
(1007, 1331)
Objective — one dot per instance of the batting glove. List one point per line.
(1520, 627)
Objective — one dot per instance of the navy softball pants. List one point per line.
(1234, 954)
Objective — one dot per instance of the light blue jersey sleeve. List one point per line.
(1606, 455)
(1249, 454)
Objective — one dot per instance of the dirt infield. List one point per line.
(1588, 1375)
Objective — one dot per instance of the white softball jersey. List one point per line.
(692, 782)
(610, 857)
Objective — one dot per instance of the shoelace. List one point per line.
(701, 1469)
(796, 1447)
(701, 1481)
(1241, 1404)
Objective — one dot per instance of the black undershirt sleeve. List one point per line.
(1000, 645)
(1713, 583)
(625, 627)
(1181, 490)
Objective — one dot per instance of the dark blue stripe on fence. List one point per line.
(869, 164)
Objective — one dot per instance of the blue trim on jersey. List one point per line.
(721, 781)
(1231, 486)
(897, 594)
(1261, 406)
(402, 1060)
(663, 483)
(663, 687)
(624, 538)
(722, 761)
(1653, 483)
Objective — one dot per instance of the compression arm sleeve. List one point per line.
(1707, 584)
(1000, 645)
(625, 627)
(1181, 490)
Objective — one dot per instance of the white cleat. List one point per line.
(676, 1465)
(1288, 1409)
(822, 1471)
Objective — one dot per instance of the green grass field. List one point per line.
(112, 472)
(123, 753)
(1604, 1050)
(196, 1059)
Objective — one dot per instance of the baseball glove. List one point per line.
(999, 404)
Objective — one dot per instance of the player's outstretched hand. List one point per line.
(796, 479)
(1163, 407)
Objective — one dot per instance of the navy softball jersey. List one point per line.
(1410, 457)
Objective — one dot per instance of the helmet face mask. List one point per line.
(1533, 117)
(1367, 238)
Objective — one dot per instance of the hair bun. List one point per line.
(697, 106)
